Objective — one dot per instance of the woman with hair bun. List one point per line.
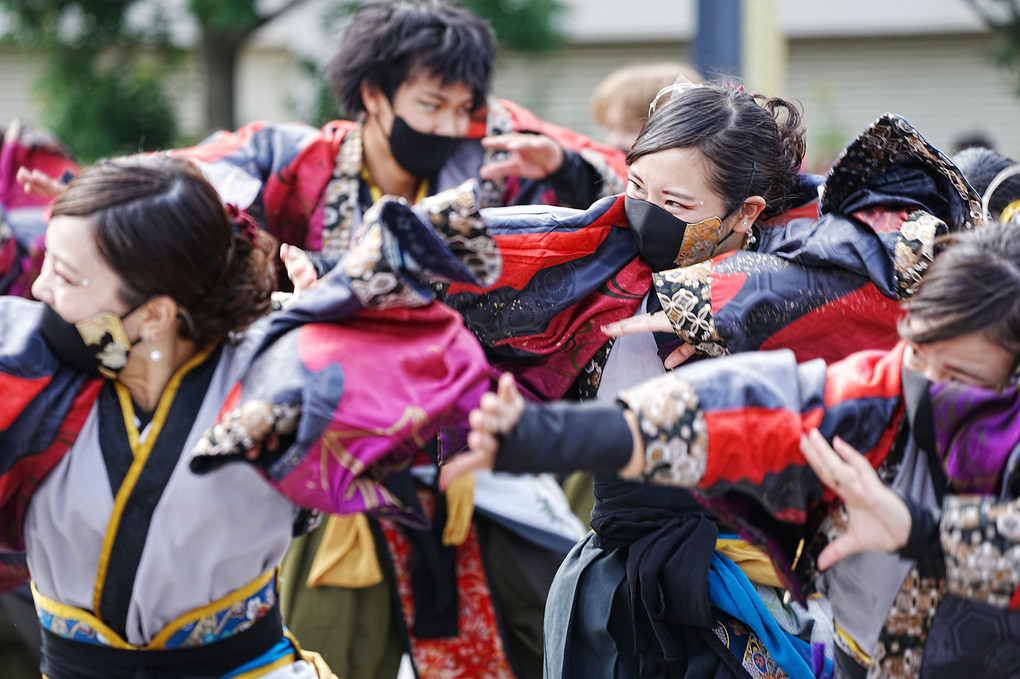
(719, 231)
(152, 472)
(886, 481)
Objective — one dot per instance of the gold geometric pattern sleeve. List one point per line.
(686, 297)
(981, 541)
(673, 428)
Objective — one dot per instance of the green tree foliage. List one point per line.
(1003, 17)
(103, 112)
(524, 25)
(106, 62)
(102, 72)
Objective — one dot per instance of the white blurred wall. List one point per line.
(846, 62)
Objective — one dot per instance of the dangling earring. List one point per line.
(155, 355)
(749, 238)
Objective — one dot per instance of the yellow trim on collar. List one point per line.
(377, 194)
(851, 646)
(141, 455)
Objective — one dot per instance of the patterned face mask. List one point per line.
(668, 242)
(96, 346)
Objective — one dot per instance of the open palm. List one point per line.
(879, 518)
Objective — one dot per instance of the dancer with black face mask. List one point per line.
(150, 474)
(414, 77)
(911, 451)
(713, 177)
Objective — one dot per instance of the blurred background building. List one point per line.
(846, 62)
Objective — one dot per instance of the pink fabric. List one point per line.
(36, 150)
(406, 374)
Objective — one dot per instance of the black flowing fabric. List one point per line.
(670, 540)
(433, 564)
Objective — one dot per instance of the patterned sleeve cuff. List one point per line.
(374, 279)
(261, 426)
(686, 297)
(401, 251)
(915, 250)
(981, 541)
(455, 216)
(673, 428)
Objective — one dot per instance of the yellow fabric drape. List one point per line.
(753, 561)
(460, 507)
(346, 556)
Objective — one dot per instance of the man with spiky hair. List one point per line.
(414, 77)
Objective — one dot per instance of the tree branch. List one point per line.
(263, 20)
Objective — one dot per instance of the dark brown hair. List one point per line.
(163, 230)
(980, 166)
(389, 42)
(972, 286)
(754, 145)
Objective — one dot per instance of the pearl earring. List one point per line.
(155, 355)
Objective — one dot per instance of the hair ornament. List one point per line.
(1005, 174)
(1010, 211)
(243, 222)
(679, 86)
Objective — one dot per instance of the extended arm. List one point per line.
(508, 434)
(726, 426)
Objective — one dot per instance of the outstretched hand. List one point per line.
(496, 414)
(532, 156)
(37, 183)
(657, 322)
(879, 518)
(299, 267)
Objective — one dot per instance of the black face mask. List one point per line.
(95, 346)
(421, 154)
(668, 242)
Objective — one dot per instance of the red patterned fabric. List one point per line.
(478, 650)
(294, 163)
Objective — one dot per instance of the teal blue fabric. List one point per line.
(731, 591)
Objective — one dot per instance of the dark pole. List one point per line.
(718, 39)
